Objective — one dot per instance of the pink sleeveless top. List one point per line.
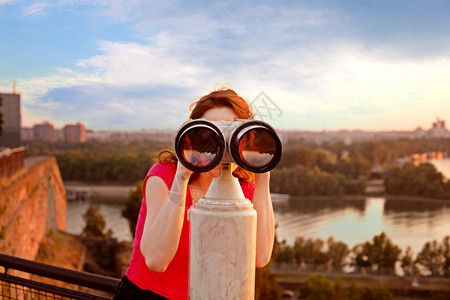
(173, 282)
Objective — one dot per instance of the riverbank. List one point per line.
(77, 190)
(67, 250)
(375, 188)
(86, 191)
(402, 287)
(365, 196)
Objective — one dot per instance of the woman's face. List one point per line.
(220, 114)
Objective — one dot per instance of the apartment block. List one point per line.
(44, 132)
(74, 132)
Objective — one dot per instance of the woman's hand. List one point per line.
(182, 173)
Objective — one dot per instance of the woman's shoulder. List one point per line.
(159, 167)
(166, 171)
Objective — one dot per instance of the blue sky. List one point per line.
(322, 65)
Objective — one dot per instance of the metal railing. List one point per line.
(14, 287)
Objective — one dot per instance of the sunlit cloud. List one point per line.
(324, 66)
(133, 63)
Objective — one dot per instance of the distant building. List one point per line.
(74, 132)
(438, 129)
(27, 134)
(44, 132)
(157, 135)
(10, 109)
(439, 124)
(419, 133)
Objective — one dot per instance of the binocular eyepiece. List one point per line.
(201, 145)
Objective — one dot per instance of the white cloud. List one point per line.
(295, 54)
(5, 2)
(122, 107)
(342, 87)
(34, 8)
(131, 63)
(34, 89)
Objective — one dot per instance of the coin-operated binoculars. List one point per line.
(223, 223)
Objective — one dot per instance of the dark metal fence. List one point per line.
(91, 286)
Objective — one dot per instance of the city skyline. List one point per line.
(320, 65)
(436, 123)
(46, 131)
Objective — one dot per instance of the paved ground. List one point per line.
(34, 160)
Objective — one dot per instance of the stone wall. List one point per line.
(32, 202)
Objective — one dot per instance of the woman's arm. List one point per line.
(265, 228)
(164, 221)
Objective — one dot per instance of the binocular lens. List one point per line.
(200, 147)
(257, 148)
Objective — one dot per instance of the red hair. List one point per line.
(223, 97)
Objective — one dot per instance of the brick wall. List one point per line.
(32, 203)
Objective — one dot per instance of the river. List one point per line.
(406, 222)
(353, 221)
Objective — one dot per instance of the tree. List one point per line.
(337, 253)
(95, 223)
(361, 259)
(423, 180)
(285, 253)
(299, 254)
(314, 254)
(302, 181)
(431, 256)
(309, 252)
(266, 286)
(381, 154)
(100, 245)
(385, 253)
(325, 159)
(376, 152)
(319, 287)
(379, 255)
(446, 254)
(408, 264)
(298, 156)
(132, 207)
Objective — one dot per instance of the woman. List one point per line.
(159, 263)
